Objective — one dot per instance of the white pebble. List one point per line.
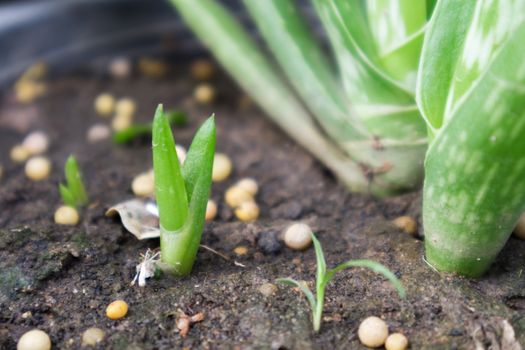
(120, 67)
(249, 185)
(19, 154)
(247, 211)
(143, 185)
(98, 132)
(298, 236)
(396, 341)
(235, 196)
(38, 168)
(211, 210)
(92, 336)
(125, 107)
(121, 122)
(66, 215)
(373, 332)
(222, 167)
(204, 94)
(104, 104)
(36, 142)
(34, 340)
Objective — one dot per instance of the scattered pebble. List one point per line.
(26, 315)
(204, 94)
(247, 211)
(240, 250)
(117, 309)
(298, 236)
(152, 68)
(125, 107)
(202, 69)
(181, 153)
(98, 132)
(38, 168)
(143, 185)
(267, 289)
(396, 341)
(249, 185)
(222, 167)
(66, 215)
(34, 340)
(19, 154)
(519, 230)
(373, 332)
(28, 91)
(92, 336)
(120, 67)
(36, 143)
(268, 243)
(211, 210)
(104, 104)
(121, 122)
(407, 224)
(235, 196)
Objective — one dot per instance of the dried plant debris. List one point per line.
(140, 217)
(494, 333)
(146, 268)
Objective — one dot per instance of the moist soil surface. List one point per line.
(60, 279)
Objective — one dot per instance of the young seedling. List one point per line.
(182, 192)
(324, 276)
(176, 118)
(73, 192)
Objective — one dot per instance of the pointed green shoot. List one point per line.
(73, 193)
(323, 277)
(182, 192)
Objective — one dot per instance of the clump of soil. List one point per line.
(60, 279)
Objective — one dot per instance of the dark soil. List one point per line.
(61, 279)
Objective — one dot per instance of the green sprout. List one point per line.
(182, 192)
(409, 86)
(175, 118)
(73, 193)
(324, 276)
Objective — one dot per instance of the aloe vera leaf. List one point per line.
(235, 50)
(179, 248)
(397, 26)
(305, 65)
(67, 196)
(74, 181)
(170, 190)
(474, 190)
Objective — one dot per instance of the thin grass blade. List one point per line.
(74, 181)
(321, 263)
(306, 291)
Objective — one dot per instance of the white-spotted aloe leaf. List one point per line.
(474, 190)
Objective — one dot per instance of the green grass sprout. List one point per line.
(175, 118)
(182, 192)
(73, 192)
(324, 276)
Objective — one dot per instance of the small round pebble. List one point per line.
(98, 132)
(267, 289)
(204, 94)
(125, 107)
(249, 185)
(211, 210)
(34, 340)
(298, 236)
(92, 336)
(202, 69)
(120, 67)
(240, 250)
(235, 196)
(181, 153)
(143, 185)
(519, 230)
(66, 215)
(38, 168)
(407, 224)
(104, 104)
(36, 142)
(247, 211)
(222, 167)
(117, 309)
(396, 341)
(19, 154)
(373, 332)
(121, 122)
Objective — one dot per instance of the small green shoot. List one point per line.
(175, 118)
(73, 192)
(182, 192)
(324, 276)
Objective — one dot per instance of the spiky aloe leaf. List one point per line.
(474, 190)
(73, 193)
(66, 195)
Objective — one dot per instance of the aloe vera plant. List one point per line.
(73, 192)
(181, 191)
(324, 276)
(471, 91)
(443, 77)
